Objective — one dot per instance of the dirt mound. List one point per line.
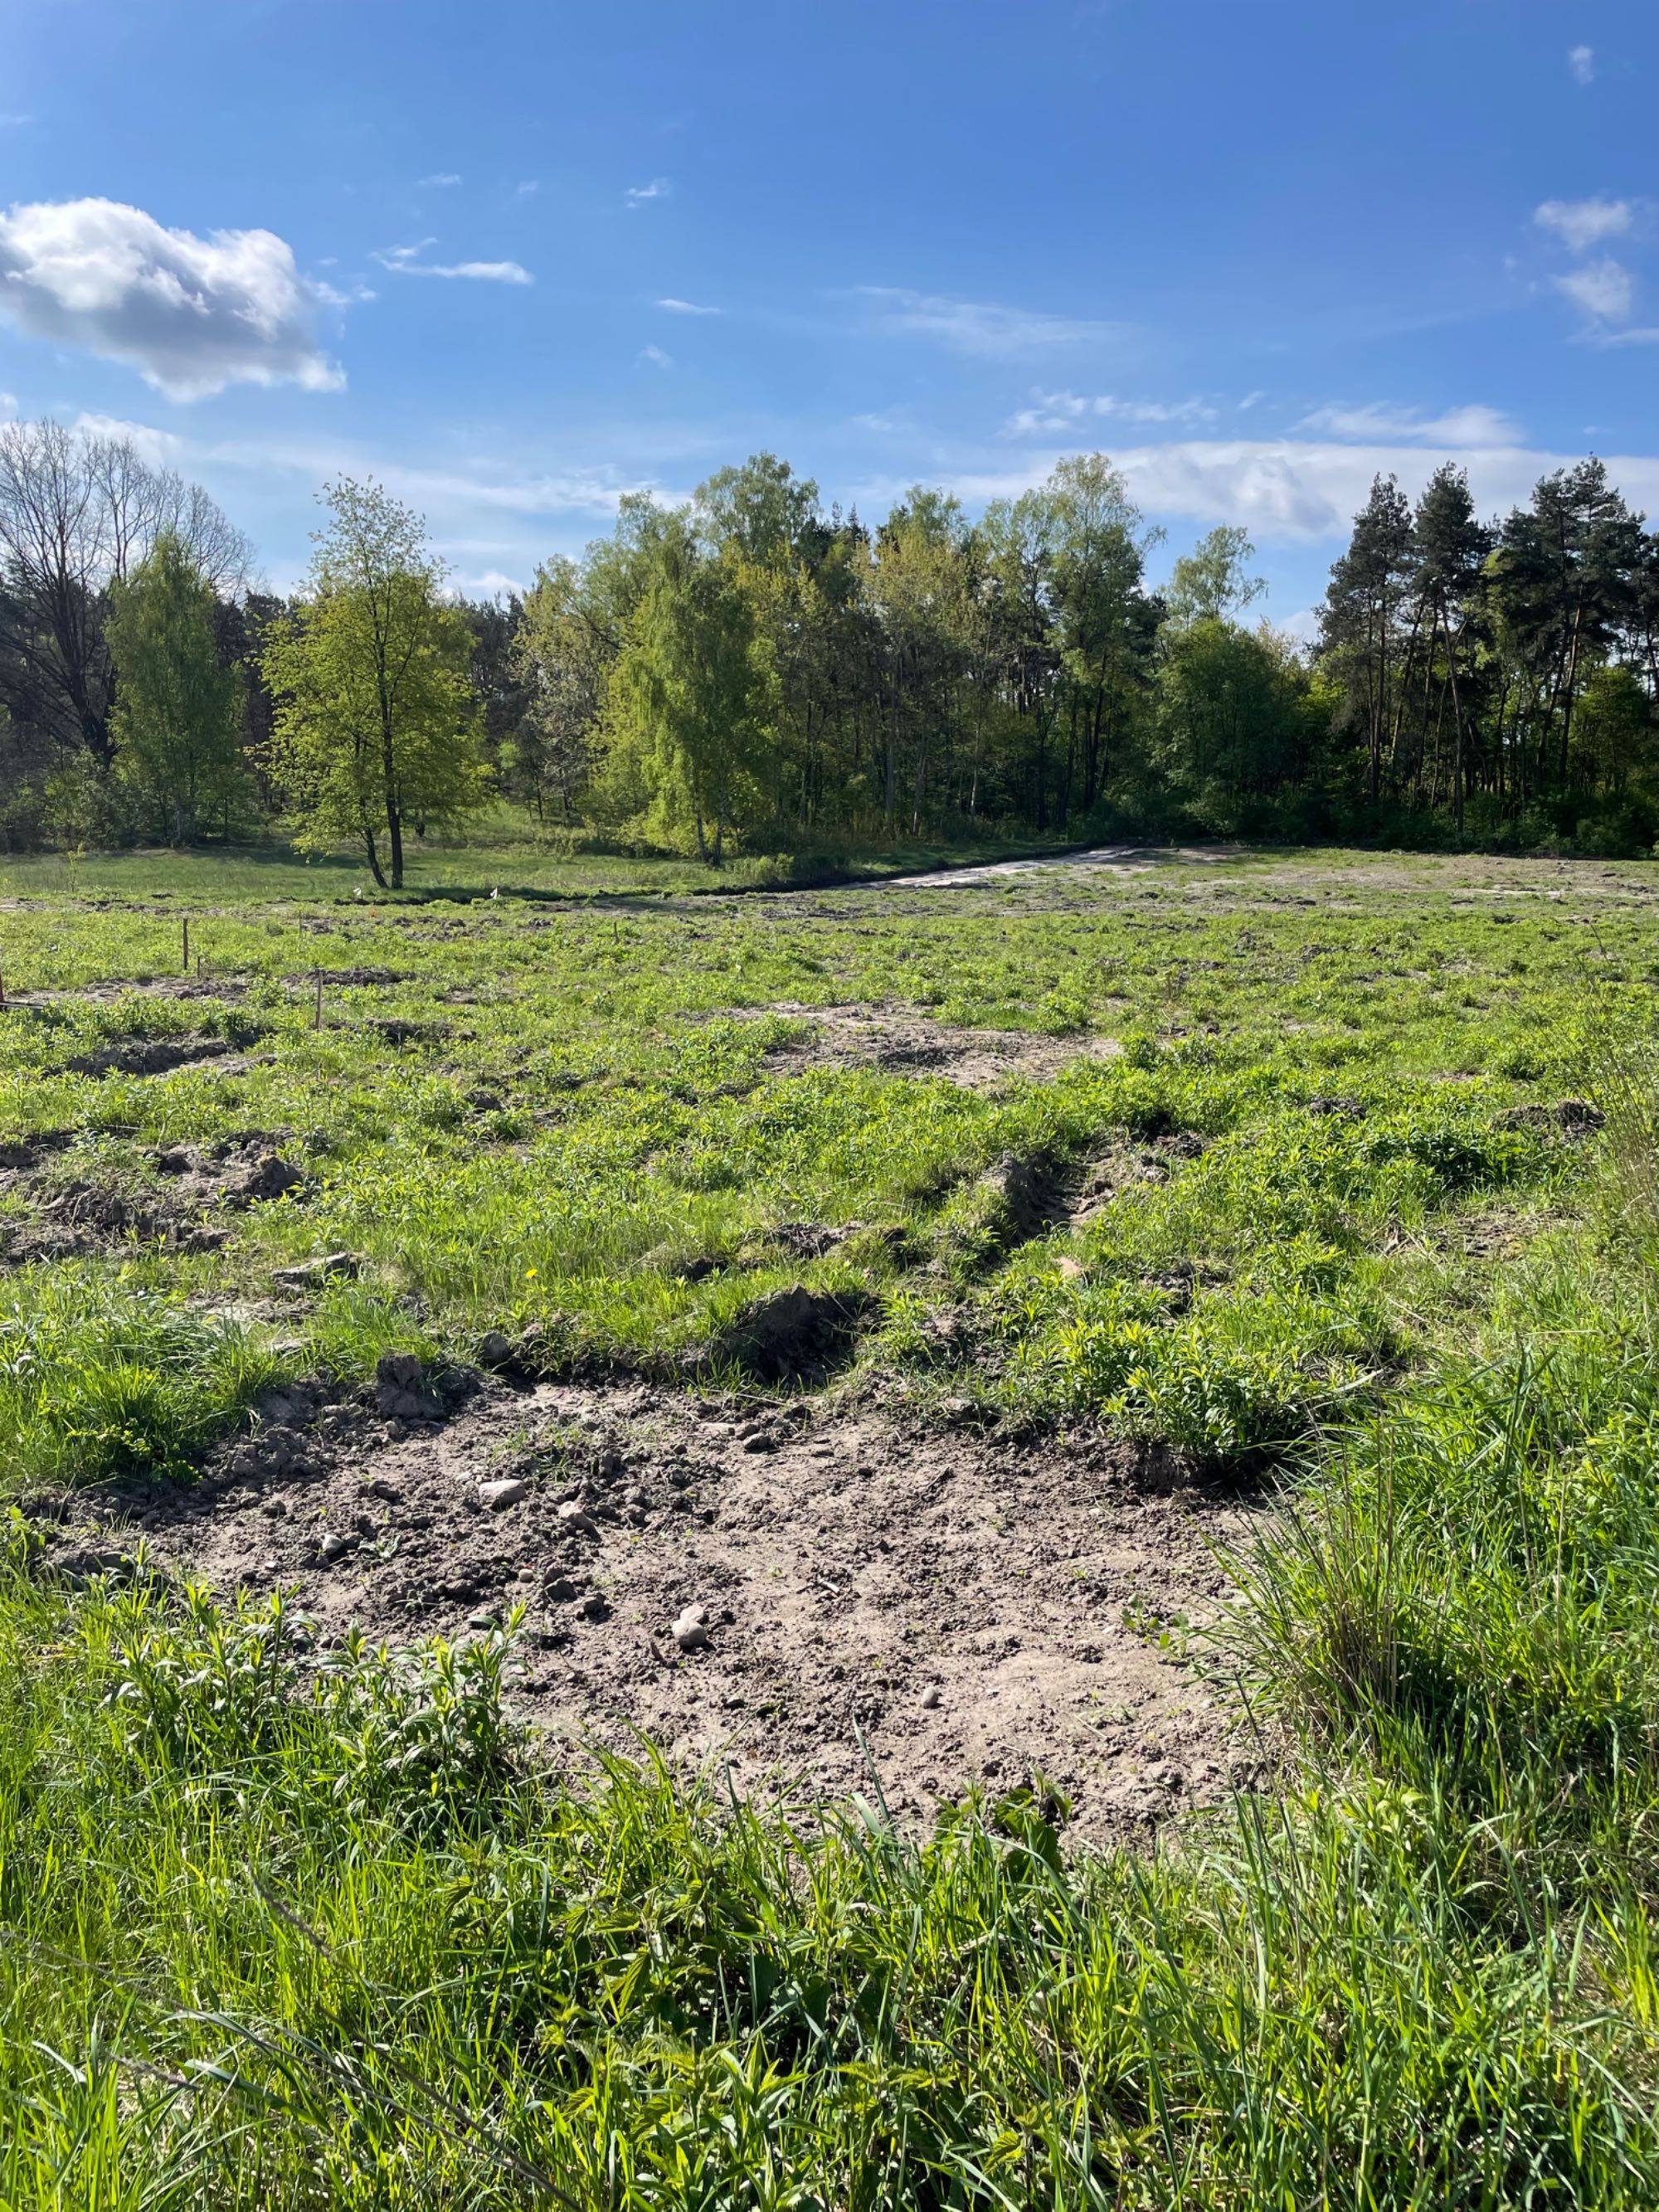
(974, 1609)
(904, 1043)
(352, 978)
(100, 1208)
(150, 1055)
(792, 1333)
(1572, 1118)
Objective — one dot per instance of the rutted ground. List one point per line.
(855, 1600)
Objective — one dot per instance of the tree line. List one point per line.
(750, 669)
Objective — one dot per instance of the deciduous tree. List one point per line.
(376, 725)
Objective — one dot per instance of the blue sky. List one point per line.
(515, 258)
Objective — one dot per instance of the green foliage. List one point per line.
(177, 715)
(375, 724)
(690, 699)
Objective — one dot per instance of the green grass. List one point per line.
(586, 1104)
(502, 853)
(279, 1932)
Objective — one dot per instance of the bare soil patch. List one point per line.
(897, 1041)
(1116, 860)
(58, 1209)
(227, 989)
(770, 1590)
(155, 1055)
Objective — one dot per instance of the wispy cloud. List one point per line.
(656, 357)
(1604, 290)
(192, 314)
(15, 122)
(1458, 425)
(440, 180)
(1581, 60)
(659, 188)
(527, 188)
(1064, 410)
(979, 326)
(686, 307)
(1580, 224)
(404, 261)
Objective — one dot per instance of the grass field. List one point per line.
(1325, 1170)
(501, 854)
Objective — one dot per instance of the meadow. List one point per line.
(1324, 1180)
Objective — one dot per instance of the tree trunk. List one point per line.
(373, 857)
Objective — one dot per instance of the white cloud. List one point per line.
(979, 327)
(1250, 399)
(491, 585)
(656, 357)
(1603, 289)
(1458, 425)
(1581, 60)
(659, 188)
(15, 122)
(686, 307)
(192, 314)
(1063, 410)
(1580, 224)
(161, 448)
(404, 261)
(8, 402)
(526, 187)
(1286, 490)
(440, 180)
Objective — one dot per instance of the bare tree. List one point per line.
(77, 512)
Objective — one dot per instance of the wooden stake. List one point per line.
(317, 1021)
(186, 928)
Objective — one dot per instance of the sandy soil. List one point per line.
(859, 1603)
(901, 1042)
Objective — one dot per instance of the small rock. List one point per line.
(593, 1607)
(573, 1516)
(274, 1508)
(932, 1698)
(498, 1496)
(496, 1348)
(690, 1631)
(381, 1488)
(333, 1546)
(559, 1589)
